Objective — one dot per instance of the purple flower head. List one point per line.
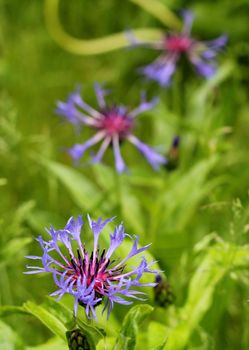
(112, 124)
(91, 278)
(173, 46)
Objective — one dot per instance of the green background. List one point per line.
(196, 216)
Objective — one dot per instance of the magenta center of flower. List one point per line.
(97, 271)
(178, 44)
(116, 123)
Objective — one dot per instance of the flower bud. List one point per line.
(163, 294)
(77, 340)
(173, 155)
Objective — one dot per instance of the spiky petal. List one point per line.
(91, 278)
(201, 54)
(112, 124)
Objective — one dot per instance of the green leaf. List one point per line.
(65, 316)
(131, 207)
(160, 347)
(217, 261)
(9, 340)
(52, 344)
(156, 335)
(104, 175)
(94, 334)
(13, 248)
(200, 97)
(60, 311)
(182, 197)
(176, 208)
(128, 332)
(57, 318)
(83, 191)
(9, 310)
(3, 181)
(23, 211)
(48, 319)
(106, 343)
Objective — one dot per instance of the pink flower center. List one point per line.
(116, 123)
(85, 268)
(178, 44)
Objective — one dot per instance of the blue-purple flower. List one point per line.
(95, 277)
(113, 124)
(173, 46)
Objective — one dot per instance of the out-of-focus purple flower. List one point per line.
(174, 45)
(91, 278)
(112, 124)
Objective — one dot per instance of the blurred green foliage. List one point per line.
(197, 216)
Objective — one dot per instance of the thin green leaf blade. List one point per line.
(127, 337)
(48, 319)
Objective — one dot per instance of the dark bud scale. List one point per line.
(163, 294)
(173, 155)
(77, 340)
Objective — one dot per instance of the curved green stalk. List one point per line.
(93, 46)
(161, 12)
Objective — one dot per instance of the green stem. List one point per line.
(179, 91)
(161, 12)
(93, 46)
(118, 182)
(176, 93)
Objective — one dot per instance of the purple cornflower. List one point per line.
(174, 45)
(112, 124)
(91, 278)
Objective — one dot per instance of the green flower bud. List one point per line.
(163, 294)
(77, 340)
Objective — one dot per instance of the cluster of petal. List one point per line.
(91, 278)
(202, 55)
(113, 124)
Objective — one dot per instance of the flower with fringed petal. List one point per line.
(201, 54)
(113, 124)
(91, 278)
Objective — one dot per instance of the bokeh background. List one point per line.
(196, 216)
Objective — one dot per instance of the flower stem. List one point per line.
(161, 12)
(91, 46)
(179, 91)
